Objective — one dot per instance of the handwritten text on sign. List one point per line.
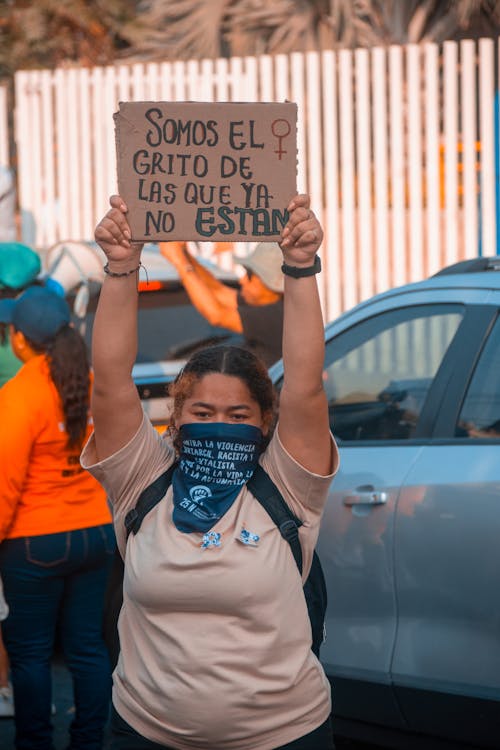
(196, 171)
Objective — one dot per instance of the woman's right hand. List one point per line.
(113, 235)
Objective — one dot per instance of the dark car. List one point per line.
(169, 326)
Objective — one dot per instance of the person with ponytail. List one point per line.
(56, 535)
(215, 637)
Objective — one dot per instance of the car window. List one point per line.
(378, 373)
(480, 414)
(169, 327)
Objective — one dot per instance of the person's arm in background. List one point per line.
(116, 406)
(213, 299)
(303, 413)
(17, 435)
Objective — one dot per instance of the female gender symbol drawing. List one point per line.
(280, 129)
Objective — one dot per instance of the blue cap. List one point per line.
(38, 313)
(6, 307)
(19, 265)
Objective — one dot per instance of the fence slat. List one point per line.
(85, 147)
(99, 127)
(180, 81)
(349, 263)
(25, 184)
(206, 76)
(298, 96)
(414, 149)
(450, 151)
(236, 80)
(281, 76)
(48, 192)
(123, 83)
(432, 193)
(74, 184)
(63, 157)
(139, 83)
(315, 170)
(110, 106)
(152, 81)
(364, 171)
(331, 255)
(381, 172)
(468, 92)
(166, 78)
(487, 131)
(251, 79)
(396, 146)
(4, 127)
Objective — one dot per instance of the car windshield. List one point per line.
(169, 327)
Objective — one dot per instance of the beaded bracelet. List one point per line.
(107, 270)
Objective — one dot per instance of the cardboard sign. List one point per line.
(206, 172)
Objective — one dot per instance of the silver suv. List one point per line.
(410, 542)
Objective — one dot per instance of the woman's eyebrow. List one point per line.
(231, 407)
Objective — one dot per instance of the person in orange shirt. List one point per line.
(255, 310)
(57, 540)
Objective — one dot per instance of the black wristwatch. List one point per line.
(297, 272)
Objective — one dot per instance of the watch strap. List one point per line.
(297, 272)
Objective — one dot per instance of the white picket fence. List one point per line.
(396, 147)
(4, 128)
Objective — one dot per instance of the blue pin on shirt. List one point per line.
(248, 538)
(211, 539)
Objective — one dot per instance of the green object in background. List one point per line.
(19, 265)
(9, 363)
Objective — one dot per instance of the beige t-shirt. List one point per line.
(215, 642)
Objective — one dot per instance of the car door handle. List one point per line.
(365, 495)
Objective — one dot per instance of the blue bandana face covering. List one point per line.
(216, 460)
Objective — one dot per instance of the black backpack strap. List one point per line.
(265, 491)
(148, 498)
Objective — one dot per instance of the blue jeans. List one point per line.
(55, 583)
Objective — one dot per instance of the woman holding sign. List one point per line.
(214, 630)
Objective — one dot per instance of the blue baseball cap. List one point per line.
(19, 265)
(38, 313)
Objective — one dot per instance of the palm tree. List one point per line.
(183, 29)
(47, 33)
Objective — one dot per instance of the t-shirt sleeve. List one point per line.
(131, 469)
(304, 492)
(21, 420)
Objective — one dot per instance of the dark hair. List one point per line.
(227, 360)
(6, 292)
(70, 372)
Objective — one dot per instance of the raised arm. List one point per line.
(303, 415)
(213, 299)
(116, 406)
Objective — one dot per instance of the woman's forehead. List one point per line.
(216, 386)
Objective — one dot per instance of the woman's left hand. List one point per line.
(302, 235)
